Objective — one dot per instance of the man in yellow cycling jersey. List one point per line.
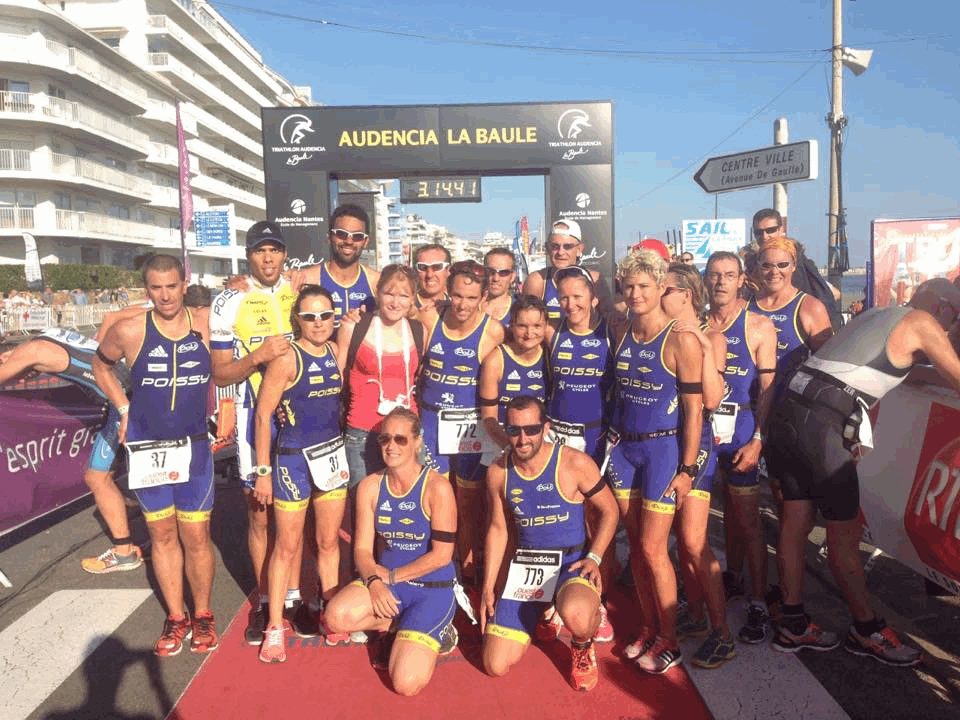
(249, 327)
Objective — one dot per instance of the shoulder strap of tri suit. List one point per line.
(416, 330)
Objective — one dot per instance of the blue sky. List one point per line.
(704, 80)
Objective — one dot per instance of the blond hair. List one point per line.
(643, 261)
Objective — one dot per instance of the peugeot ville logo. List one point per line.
(583, 200)
(295, 128)
(298, 206)
(572, 123)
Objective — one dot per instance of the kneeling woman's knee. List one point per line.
(408, 683)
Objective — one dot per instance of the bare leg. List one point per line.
(694, 516)
(111, 505)
(579, 608)
(351, 610)
(411, 666)
(843, 539)
(500, 654)
(258, 540)
(745, 508)
(797, 516)
(286, 548)
(654, 533)
(199, 562)
(329, 511)
(167, 561)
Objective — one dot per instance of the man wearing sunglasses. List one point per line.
(432, 263)
(249, 327)
(767, 225)
(818, 433)
(541, 488)
(459, 338)
(502, 273)
(348, 281)
(564, 249)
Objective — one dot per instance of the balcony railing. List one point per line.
(43, 106)
(72, 221)
(96, 71)
(97, 172)
(14, 159)
(20, 218)
(225, 131)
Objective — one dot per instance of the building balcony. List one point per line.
(219, 192)
(41, 166)
(161, 25)
(164, 115)
(165, 197)
(189, 80)
(166, 157)
(71, 117)
(36, 51)
(223, 131)
(225, 160)
(16, 218)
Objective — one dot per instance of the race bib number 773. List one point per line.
(533, 575)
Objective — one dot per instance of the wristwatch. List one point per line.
(691, 470)
(263, 470)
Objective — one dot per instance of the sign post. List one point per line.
(766, 166)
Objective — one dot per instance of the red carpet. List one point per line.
(318, 681)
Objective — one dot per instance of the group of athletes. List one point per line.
(498, 442)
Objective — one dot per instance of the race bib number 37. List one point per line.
(460, 431)
(158, 462)
(328, 464)
(533, 575)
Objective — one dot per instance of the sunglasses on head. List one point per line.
(573, 271)
(780, 265)
(469, 267)
(385, 438)
(436, 267)
(501, 272)
(760, 232)
(342, 234)
(528, 430)
(555, 246)
(322, 316)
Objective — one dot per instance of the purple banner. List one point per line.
(44, 446)
(186, 194)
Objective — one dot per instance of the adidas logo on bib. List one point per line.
(314, 368)
(625, 353)
(385, 506)
(158, 351)
(437, 349)
(513, 376)
(566, 343)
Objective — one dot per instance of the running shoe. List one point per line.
(449, 637)
(690, 627)
(548, 628)
(754, 630)
(274, 646)
(175, 634)
(813, 637)
(884, 646)
(359, 637)
(732, 586)
(301, 620)
(330, 638)
(256, 624)
(715, 651)
(584, 673)
(660, 657)
(639, 646)
(682, 600)
(604, 631)
(205, 636)
(111, 561)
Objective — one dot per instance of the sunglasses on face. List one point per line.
(557, 247)
(500, 272)
(341, 234)
(322, 316)
(687, 259)
(436, 267)
(528, 430)
(760, 232)
(672, 289)
(779, 265)
(386, 438)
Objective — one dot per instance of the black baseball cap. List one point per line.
(264, 231)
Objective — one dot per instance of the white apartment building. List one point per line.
(88, 150)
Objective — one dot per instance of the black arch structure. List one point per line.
(569, 143)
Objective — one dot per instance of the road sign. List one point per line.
(213, 227)
(776, 164)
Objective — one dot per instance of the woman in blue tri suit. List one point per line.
(308, 459)
(409, 511)
(684, 300)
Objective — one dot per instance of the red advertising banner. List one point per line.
(44, 446)
(908, 252)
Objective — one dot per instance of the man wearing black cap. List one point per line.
(249, 327)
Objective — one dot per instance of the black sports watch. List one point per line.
(691, 470)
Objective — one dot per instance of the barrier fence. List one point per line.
(26, 318)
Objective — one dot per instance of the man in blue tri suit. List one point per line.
(502, 272)
(164, 427)
(432, 263)
(541, 488)
(348, 281)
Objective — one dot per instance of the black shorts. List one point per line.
(806, 451)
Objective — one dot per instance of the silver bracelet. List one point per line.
(596, 558)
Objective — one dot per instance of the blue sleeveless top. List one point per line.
(545, 519)
(404, 528)
(551, 298)
(645, 394)
(520, 379)
(581, 370)
(792, 349)
(312, 403)
(451, 368)
(171, 383)
(740, 369)
(356, 296)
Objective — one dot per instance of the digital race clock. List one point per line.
(440, 189)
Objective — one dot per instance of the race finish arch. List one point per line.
(569, 143)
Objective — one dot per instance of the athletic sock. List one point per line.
(264, 600)
(868, 628)
(581, 645)
(794, 618)
(293, 597)
(774, 595)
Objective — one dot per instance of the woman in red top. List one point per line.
(380, 371)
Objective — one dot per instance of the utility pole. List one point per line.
(781, 136)
(836, 122)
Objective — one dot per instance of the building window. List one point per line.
(62, 201)
(90, 255)
(55, 91)
(14, 155)
(112, 42)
